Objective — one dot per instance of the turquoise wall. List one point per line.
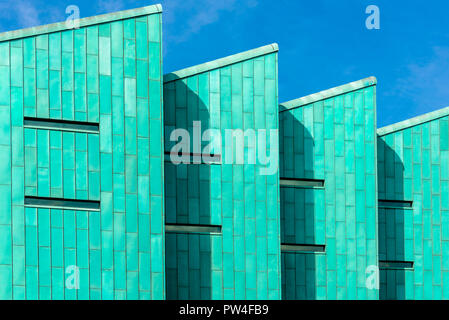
(243, 262)
(414, 166)
(106, 74)
(331, 137)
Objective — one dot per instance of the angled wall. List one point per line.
(328, 193)
(55, 84)
(413, 163)
(242, 261)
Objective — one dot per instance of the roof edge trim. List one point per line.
(219, 63)
(329, 93)
(84, 22)
(434, 115)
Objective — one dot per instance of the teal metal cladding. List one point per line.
(243, 262)
(106, 72)
(330, 136)
(83, 190)
(413, 162)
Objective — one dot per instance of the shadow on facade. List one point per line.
(391, 226)
(299, 275)
(187, 201)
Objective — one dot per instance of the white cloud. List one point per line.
(23, 13)
(26, 13)
(184, 18)
(209, 13)
(425, 82)
(108, 6)
(29, 13)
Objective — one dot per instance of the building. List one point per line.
(328, 193)
(242, 261)
(413, 168)
(81, 181)
(117, 182)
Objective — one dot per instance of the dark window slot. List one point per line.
(304, 248)
(62, 125)
(192, 228)
(396, 265)
(395, 204)
(196, 158)
(64, 204)
(301, 183)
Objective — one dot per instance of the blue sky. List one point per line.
(323, 43)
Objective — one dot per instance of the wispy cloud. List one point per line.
(182, 18)
(27, 13)
(425, 82)
(107, 6)
(23, 13)
(186, 18)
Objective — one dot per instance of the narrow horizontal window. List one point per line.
(194, 158)
(192, 228)
(396, 265)
(58, 203)
(62, 125)
(301, 183)
(307, 248)
(395, 204)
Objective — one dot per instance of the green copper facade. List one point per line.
(109, 75)
(92, 206)
(243, 262)
(330, 136)
(413, 162)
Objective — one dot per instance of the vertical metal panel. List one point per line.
(413, 166)
(242, 95)
(95, 74)
(330, 137)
